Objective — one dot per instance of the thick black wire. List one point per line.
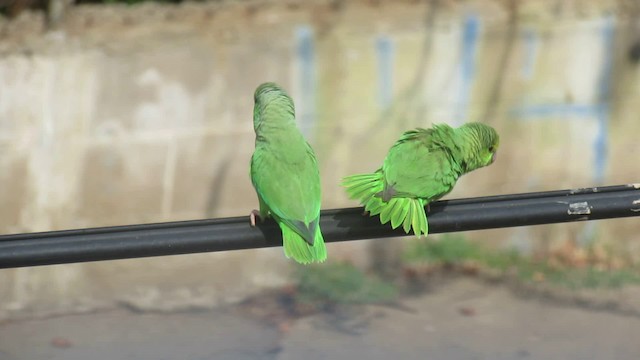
(185, 237)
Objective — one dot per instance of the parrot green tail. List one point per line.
(408, 212)
(299, 250)
(364, 187)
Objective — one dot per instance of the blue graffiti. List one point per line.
(599, 111)
(385, 52)
(531, 43)
(600, 144)
(470, 36)
(305, 53)
(566, 111)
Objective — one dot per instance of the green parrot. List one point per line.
(421, 167)
(285, 174)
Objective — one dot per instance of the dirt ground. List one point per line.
(462, 319)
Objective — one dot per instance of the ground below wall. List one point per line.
(458, 319)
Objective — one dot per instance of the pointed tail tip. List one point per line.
(308, 260)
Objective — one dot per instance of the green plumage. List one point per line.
(284, 172)
(421, 167)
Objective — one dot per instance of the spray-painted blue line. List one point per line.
(600, 144)
(531, 44)
(599, 111)
(385, 52)
(470, 36)
(535, 112)
(305, 53)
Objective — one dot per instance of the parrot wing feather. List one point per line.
(291, 190)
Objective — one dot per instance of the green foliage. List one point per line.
(451, 249)
(589, 277)
(342, 283)
(455, 250)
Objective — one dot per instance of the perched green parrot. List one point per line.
(285, 174)
(422, 167)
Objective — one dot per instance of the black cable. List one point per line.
(185, 237)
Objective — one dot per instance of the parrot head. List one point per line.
(266, 95)
(267, 91)
(484, 144)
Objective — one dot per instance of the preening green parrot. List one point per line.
(285, 174)
(421, 167)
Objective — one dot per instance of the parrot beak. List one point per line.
(493, 157)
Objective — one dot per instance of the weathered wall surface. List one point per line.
(143, 114)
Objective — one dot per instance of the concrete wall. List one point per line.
(143, 114)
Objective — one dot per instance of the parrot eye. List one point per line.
(492, 148)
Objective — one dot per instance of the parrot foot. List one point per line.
(365, 213)
(428, 208)
(255, 214)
